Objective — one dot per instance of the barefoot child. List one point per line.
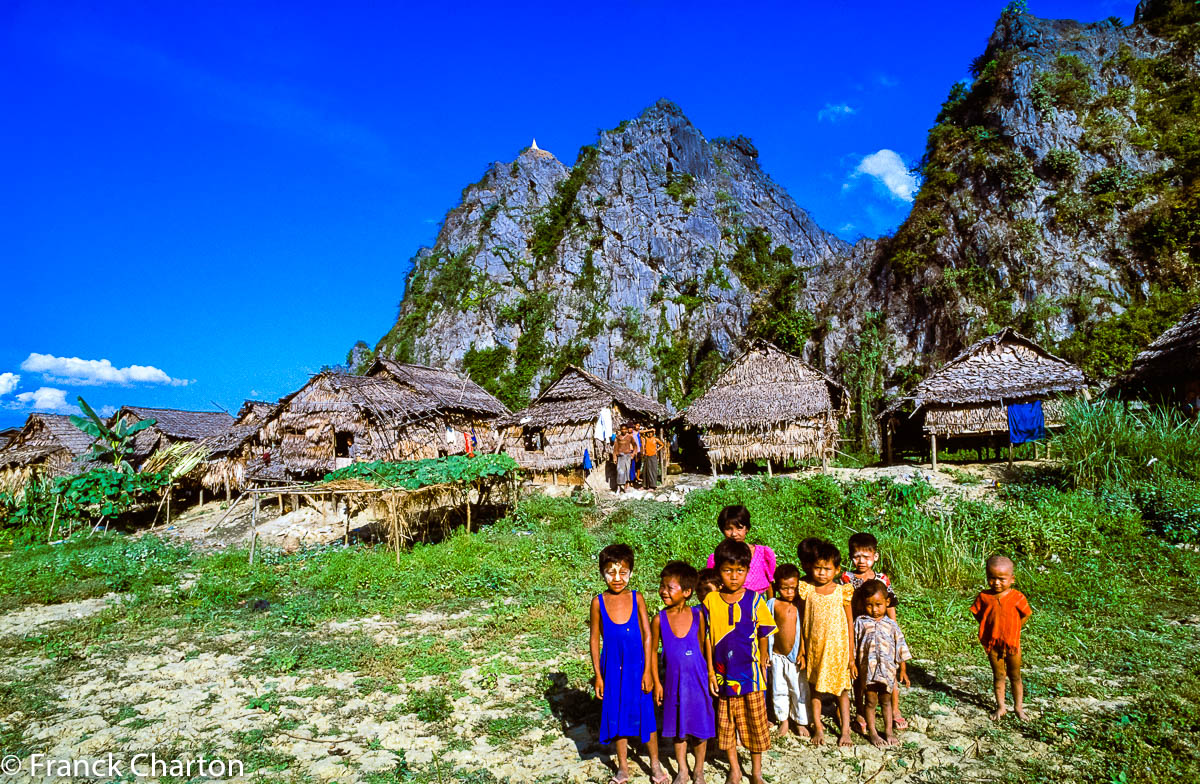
(1001, 611)
(864, 554)
(682, 690)
(880, 653)
(827, 631)
(734, 522)
(789, 681)
(622, 668)
(736, 645)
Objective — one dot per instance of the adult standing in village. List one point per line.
(635, 465)
(651, 456)
(624, 449)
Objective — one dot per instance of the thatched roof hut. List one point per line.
(230, 452)
(171, 426)
(397, 412)
(47, 446)
(970, 394)
(8, 435)
(1169, 368)
(553, 432)
(769, 404)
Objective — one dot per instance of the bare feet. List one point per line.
(757, 779)
(802, 731)
(1020, 711)
(698, 778)
(818, 736)
(681, 778)
(876, 740)
(860, 723)
(845, 740)
(731, 779)
(783, 729)
(999, 713)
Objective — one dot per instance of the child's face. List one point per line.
(877, 605)
(1000, 578)
(616, 576)
(671, 593)
(705, 588)
(733, 576)
(864, 560)
(788, 587)
(735, 533)
(823, 572)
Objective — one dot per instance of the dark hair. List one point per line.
(863, 541)
(616, 554)
(682, 573)
(736, 516)
(708, 576)
(868, 589)
(786, 571)
(826, 551)
(1001, 560)
(805, 552)
(733, 551)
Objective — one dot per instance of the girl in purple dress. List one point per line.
(682, 690)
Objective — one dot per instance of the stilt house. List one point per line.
(769, 405)
(1169, 368)
(46, 446)
(970, 397)
(171, 426)
(231, 452)
(577, 412)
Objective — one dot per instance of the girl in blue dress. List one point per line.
(622, 668)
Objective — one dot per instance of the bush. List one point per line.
(1062, 164)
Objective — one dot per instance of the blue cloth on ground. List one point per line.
(587, 460)
(1026, 422)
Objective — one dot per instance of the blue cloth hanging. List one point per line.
(1026, 422)
(587, 460)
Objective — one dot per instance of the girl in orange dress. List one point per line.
(828, 638)
(1001, 611)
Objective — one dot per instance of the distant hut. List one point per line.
(46, 446)
(1169, 368)
(171, 426)
(397, 412)
(769, 405)
(231, 452)
(969, 397)
(575, 413)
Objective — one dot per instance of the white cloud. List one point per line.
(94, 372)
(48, 399)
(107, 411)
(8, 382)
(888, 168)
(835, 111)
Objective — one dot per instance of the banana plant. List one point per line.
(113, 444)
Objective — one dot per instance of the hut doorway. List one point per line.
(535, 439)
(343, 445)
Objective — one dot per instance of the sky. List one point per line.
(204, 204)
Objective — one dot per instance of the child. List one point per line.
(805, 554)
(706, 580)
(864, 554)
(738, 627)
(880, 651)
(683, 693)
(1001, 611)
(828, 638)
(622, 669)
(734, 522)
(789, 681)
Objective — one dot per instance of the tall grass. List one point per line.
(1108, 443)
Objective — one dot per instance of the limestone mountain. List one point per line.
(1060, 194)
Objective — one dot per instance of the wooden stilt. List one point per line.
(253, 544)
(168, 506)
(769, 472)
(228, 495)
(279, 498)
(933, 449)
(201, 496)
(53, 519)
(887, 442)
(1010, 454)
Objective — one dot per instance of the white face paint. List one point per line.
(616, 576)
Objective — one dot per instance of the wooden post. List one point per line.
(201, 495)
(933, 449)
(253, 543)
(53, 519)
(279, 498)
(887, 442)
(168, 506)
(714, 468)
(1010, 454)
(228, 498)
(769, 472)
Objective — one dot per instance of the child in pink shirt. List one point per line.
(734, 522)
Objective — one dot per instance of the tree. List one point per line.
(113, 444)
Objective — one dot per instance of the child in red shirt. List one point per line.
(1001, 611)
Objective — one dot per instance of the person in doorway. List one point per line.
(623, 449)
(652, 448)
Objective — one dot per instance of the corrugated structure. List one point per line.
(770, 405)
(45, 446)
(553, 432)
(969, 396)
(1169, 368)
(396, 412)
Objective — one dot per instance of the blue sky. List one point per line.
(200, 206)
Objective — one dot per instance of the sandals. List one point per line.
(662, 778)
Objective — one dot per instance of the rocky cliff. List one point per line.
(1059, 195)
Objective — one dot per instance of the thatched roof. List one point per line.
(763, 388)
(180, 425)
(7, 435)
(44, 435)
(1174, 355)
(440, 389)
(577, 396)
(380, 397)
(1003, 366)
(254, 411)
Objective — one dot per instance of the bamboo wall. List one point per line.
(810, 439)
(983, 418)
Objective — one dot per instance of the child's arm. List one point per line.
(903, 677)
(655, 638)
(594, 643)
(764, 653)
(644, 623)
(850, 635)
(713, 687)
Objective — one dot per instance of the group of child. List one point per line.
(807, 633)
